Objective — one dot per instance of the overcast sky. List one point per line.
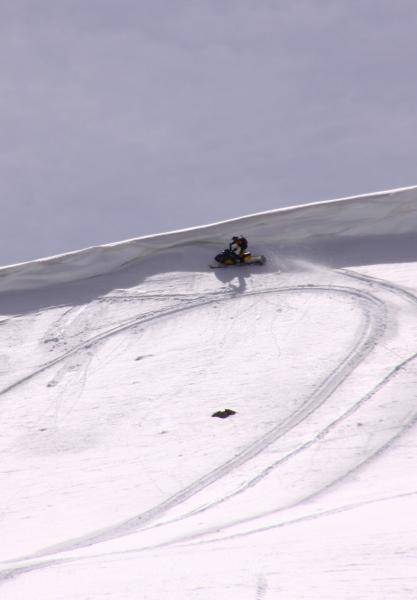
(121, 118)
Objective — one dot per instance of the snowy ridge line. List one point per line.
(371, 332)
(369, 214)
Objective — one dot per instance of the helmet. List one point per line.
(235, 238)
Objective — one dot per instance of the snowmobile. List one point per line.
(227, 258)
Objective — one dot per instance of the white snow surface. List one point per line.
(117, 482)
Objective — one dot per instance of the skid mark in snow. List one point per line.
(375, 281)
(374, 315)
(380, 447)
(187, 540)
(383, 442)
(261, 587)
(406, 419)
(96, 340)
(371, 333)
(193, 303)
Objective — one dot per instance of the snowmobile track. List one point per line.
(372, 330)
(372, 281)
(369, 338)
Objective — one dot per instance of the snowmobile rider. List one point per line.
(238, 246)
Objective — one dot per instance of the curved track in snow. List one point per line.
(397, 370)
(374, 312)
(373, 326)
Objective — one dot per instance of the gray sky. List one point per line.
(122, 118)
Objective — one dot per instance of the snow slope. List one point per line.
(116, 480)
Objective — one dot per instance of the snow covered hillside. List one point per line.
(117, 481)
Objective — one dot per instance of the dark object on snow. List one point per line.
(223, 414)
